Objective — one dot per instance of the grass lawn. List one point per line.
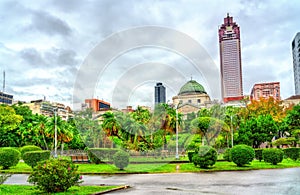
(164, 167)
(31, 190)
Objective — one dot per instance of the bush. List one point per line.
(121, 159)
(258, 154)
(98, 155)
(292, 153)
(227, 155)
(29, 148)
(32, 158)
(9, 157)
(272, 155)
(205, 157)
(55, 175)
(190, 155)
(242, 154)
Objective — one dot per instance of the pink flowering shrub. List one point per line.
(55, 175)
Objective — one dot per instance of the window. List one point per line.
(190, 101)
(199, 101)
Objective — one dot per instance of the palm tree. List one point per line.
(64, 131)
(111, 125)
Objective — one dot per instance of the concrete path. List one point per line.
(276, 181)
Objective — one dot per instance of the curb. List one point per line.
(112, 190)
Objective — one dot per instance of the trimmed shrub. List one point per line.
(242, 155)
(258, 154)
(292, 153)
(55, 175)
(98, 155)
(272, 155)
(33, 157)
(121, 159)
(29, 148)
(190, 155)
(227, 155)
(205, 157)
(9, 157)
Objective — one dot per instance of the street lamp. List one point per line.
(231, 130)
(53, 110)
(177, 155)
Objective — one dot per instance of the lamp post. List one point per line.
(55, 132)
(53, 110)
(231, 131)
(177, 155)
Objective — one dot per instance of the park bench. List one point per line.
(80, 159)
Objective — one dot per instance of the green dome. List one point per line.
(192, 87)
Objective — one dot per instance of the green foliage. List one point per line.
(272, 155)
(192, 142)
(242, 155)
(190, 155)
(205, 157)
(257, 130)
(209, 127)
(29, 148)
(9, 157)
(98, 155)
(258, 154)
(121, 159)
(292, 153)
(55, 175)
(33, 157)
(227, 155)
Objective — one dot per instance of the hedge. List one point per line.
(242, 154)
(29, 148)
(259, 154)
(121, 159)
(292, 153)
(272, 155)
(205, 157)
(33, 157)
(9, 157)
(98, 155)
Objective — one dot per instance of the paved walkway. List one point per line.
(276, 181)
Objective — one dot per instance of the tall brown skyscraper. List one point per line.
(230, 60)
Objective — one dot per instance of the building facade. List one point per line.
(230, 60)
(49, 108)
(159, 93)
(191, 97)
(97, 105)
(296, 62)
(265, 90)
(6, 98)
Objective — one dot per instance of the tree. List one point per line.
(89, 129)
(258, 130)
(209, 128)
(291, 124)
(264, 106)
(9, 121)
(111, 125)
(64, 132)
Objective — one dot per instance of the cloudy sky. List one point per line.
(46, 46)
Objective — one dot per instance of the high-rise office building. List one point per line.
(159, 93)
(296, 62)
(230, 60)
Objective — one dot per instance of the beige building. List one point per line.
(293, 100)
(47, 108)
(191, 97)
